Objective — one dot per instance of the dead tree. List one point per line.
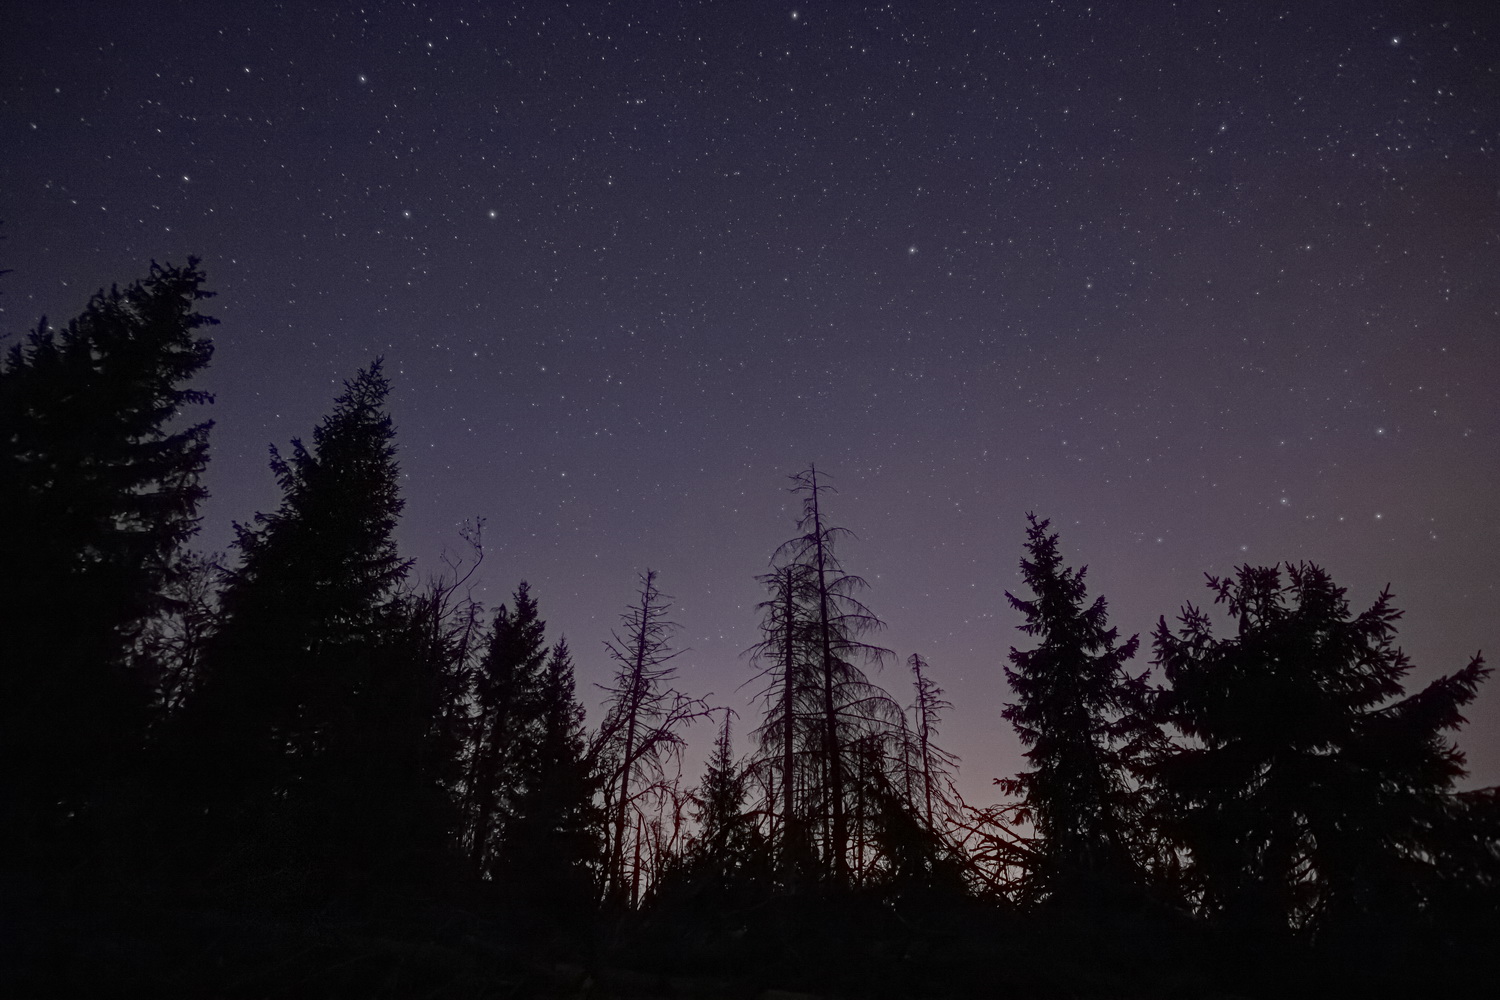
(642, 726)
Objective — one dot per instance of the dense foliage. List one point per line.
(99, 489)
(1083, 718)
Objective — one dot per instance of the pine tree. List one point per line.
(559, 826)
(446, 639)
(1080, 714)
(291, 673)
(1312, 792)
(385, 808)
(721, 794)
(100, 487)
(508, 693)
(727, 857)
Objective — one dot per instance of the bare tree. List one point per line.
(995, 855)
(451, 643)
(933, 766)
(170, 648)
(829, 734)
(790, 698)
(641, 729)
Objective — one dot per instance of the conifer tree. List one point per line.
(386, 810)
(508, 693)
(1081, 716)
(837, 618)
(99, 486)
(721, 795)
(290, 673)
(1313, 792)
(790, 701)
(556, 836)
(446, 636)
(727, 860)
(829, 730)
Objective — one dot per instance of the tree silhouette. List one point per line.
(556, 832)
(726, 836)
(444, 636)
(1081, 716)
(830, 734)
(1312, 793)
(169, 651)
(508, 693)
(385, 814)
(790, 699)
(641, 729)
(290, 691)
(727, 863)
(927, 768)
(100, 486)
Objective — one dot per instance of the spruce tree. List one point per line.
(291, 677)
(1081, 716)
(385, 810)
(556, 837)
(721, 795)
(446, 637)
(508, 693)
(1313, 792)
(99, 484)
(727, 858)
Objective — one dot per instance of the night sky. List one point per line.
(1203, 283)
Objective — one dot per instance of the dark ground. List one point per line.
(60, 941)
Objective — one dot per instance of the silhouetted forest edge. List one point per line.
(297, 769)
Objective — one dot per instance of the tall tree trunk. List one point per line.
(838, 844)
(924, 744)
(637, 680)
(635, 868)
(789, 832)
